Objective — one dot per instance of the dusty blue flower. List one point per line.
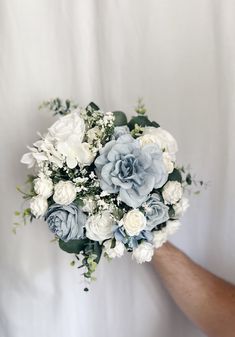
(132, 242)
(66, 222)
(156, 212)
(125, 168)
(120, 131)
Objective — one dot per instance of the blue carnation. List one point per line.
(129, 170)
(66, 222)
(156, 212)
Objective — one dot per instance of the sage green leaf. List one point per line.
(73, 246)
(97, 251)
(120, 118)
(175, 176)
(93, 247)
(141, 121)
(92, 107)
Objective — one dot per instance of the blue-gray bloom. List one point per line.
(147, 235)
(120, 131)
(125, 168)
(156, 212)
(66, 222)
(132, 242)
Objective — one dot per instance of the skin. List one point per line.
(205, 299)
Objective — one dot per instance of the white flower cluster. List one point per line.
(91, 180)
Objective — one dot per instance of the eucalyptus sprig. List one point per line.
(59, 107)
(140, 108)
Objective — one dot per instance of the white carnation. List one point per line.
(143, 253)
(38, 205)
(134, 222)
(172, 226)
(172, 192)
(43, 186)
(117, 251)
(99, 227)
(159, 237)
(164, 139)
(64, 192)
(181, 207)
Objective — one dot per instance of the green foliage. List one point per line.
(175, 176)
(91, 107)
(86, 246)
(140, 109)
(73, 246)
(190, 182)
(22, 219)
(91, 254)
(59, 107)
(141, 121)
(29, 183)
(188, 179)
(72, 263)
(120, 118)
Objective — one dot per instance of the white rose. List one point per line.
(85, 156)
(64, 192)
(168, 163)
(172, 226)
(38, 205)
(117, 251)
(147, 139)
(66, 126)
(164, 139)
(172, 192)
(99, 227)
(134, 222)
(181, 207)
(159, 237)
(43, 186)
(143, 253)
(89, 205)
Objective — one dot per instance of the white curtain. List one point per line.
(179, 56)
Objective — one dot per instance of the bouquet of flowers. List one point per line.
(105, 185)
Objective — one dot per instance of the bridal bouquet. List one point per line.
(105, 185)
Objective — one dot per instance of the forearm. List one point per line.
(206, 299)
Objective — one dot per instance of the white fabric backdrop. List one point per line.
(178, 55)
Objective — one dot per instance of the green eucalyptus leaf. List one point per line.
(97, 251)
(73, 246)
(78, 202)
(189, 179)
(155, 124)
(120, 118)
(141, 121)
(92, 107)
(175, 176)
